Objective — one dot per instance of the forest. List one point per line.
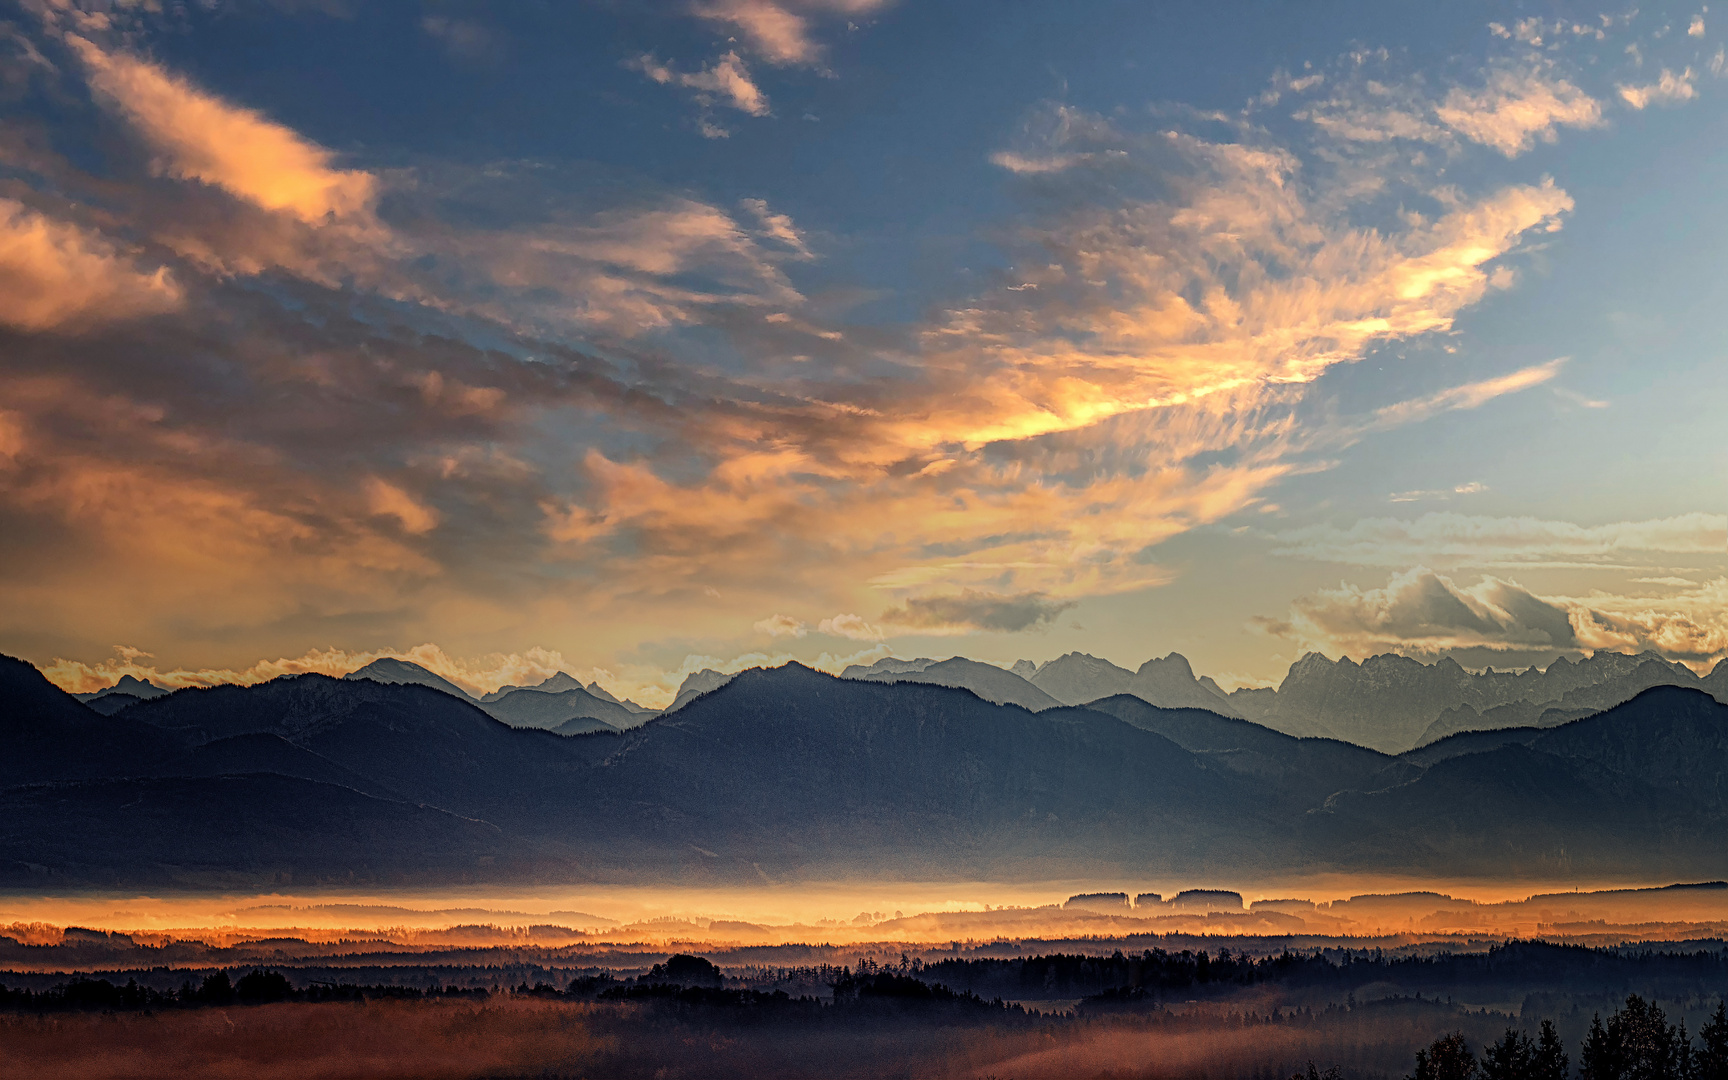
(1521, 1011)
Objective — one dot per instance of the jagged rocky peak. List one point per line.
(1079, 677)
(142, 689)
(696, 684)
(1024, 668)
(1174, 665)
(561, 681)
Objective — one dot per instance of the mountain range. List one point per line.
(560, 703)
(1390, 703)
(789, 773)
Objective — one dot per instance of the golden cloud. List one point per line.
(197, 136)
(53, 273)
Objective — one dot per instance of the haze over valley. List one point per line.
(863, 538)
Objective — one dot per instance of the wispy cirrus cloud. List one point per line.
(1519, 103)
(1475, 541)
(195, 135)
(782, 31)
(1517, 108)
(1140, 335)
(1468, 396)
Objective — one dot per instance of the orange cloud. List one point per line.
(197, 136)
(385, 499)
(156, 517)
(1517, 108)
(1156, 332)
(53, 273)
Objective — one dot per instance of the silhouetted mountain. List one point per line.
(541, 709)
(1468, 742)
(1513, 806)
(1646, 783)
(400, 672)
(1519, 714)
(262, 753)
(1306, 770)
(411, 742)
(986, 680)
(584, 725)
(142, 689)
(788, 772)
(109, 704)
(48, 735)
(1671, 738)
(790, 768)
(243, 832)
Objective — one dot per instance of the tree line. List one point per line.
(1636, 1043)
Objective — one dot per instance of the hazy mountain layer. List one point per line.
(986, 680)
(794, 773)
(548, 710)
(1392, 702)
(1169, 682)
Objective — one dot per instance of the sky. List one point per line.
(630, 339)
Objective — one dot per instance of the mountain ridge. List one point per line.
(791, 772)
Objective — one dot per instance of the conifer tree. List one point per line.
(1711, 1060)
(1447, 1058)
(1509, 1059)
(1549, 1061)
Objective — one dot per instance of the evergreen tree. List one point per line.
(1550, 1061)
(1637, 1043)
(1512, 1058)
(1600, 1059)
(1711, 1060)
(1447, 1058)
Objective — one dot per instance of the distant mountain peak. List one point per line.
(598, 691)
(388, 669)
(560, 681)
(988, 681)
(696, 684)
(891, 665)
(142, 689)
(1173, 664)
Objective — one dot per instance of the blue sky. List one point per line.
(631, 339)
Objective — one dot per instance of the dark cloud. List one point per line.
(974, 610)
